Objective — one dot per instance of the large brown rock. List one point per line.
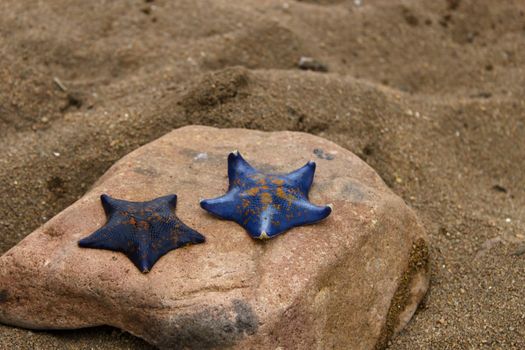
(349, 282)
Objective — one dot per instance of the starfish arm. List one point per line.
(163, 205)
(238, 168)
(223, 206)
(160, 238)
(303, 212)
(142, 258)
(109, 204)
(303, 177)
(178, 235)
(109, 238)
(272, 222)
(263, 225)
(114, 208)
(189, 236)
(296, 213)
(170, 199)
(112, 205)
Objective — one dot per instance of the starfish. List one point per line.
(266, 204)
(144, 231)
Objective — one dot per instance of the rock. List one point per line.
(351, 281)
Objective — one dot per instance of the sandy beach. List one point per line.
(431, 94)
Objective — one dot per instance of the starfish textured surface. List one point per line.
(144, 231)
(266, 204)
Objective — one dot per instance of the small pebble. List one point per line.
(499, 188)
(308, 63)
(201, 156)
(520, 251)
(322, 155)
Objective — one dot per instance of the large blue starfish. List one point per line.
(144, 231)
(266, 205)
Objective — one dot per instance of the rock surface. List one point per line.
(351, 281)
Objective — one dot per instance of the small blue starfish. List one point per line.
(266, 205)
(144, 231)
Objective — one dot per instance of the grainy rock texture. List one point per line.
(351, 281)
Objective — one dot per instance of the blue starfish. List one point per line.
(144, 231)
(266, 205)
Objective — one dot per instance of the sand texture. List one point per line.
(429, 93)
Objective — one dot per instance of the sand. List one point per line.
(429, 93)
